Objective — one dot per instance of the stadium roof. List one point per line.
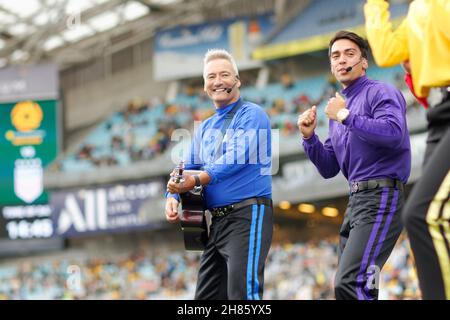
(73, 31)
(312, 29)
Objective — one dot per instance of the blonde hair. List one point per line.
(215, 54)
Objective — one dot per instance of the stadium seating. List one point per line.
(293, 271)
(141, 132)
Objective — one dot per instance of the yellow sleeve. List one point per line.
(440, 11)
(388, 47)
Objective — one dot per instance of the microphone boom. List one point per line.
(348, 69)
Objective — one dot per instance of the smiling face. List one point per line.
(346, 53)
(220, 76)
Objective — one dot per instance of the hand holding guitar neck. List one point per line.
(179, 169)
(179, 182)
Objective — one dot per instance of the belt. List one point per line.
(357, 186)
(223, 211)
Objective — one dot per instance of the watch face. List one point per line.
(342, 114)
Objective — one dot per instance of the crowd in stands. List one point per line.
(122, 132)
(300, 271)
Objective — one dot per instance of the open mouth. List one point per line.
(219, 90)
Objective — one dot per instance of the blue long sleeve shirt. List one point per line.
(241, 169)
(372, 142)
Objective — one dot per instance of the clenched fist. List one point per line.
(334, 105)
(307, 122)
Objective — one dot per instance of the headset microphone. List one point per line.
(348, 69)
(230, 89)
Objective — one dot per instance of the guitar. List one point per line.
(193, 219)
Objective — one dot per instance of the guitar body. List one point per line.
(193, 219)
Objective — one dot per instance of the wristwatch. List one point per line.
(342, 114)
(197, 180)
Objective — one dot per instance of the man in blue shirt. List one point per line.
(237, 187)
(369, 143)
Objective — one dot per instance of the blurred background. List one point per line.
(90, 94)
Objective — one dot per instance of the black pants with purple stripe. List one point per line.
(371, 227)
(232, 265)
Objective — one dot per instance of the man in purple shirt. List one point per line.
(368, 142)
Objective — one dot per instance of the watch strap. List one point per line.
(197, 180)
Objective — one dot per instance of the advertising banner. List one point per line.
(28, 142)
(179, 51)
(109, 208)
(28, 131)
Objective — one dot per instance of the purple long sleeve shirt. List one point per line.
(373, 142)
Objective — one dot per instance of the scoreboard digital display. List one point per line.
(26, 222)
